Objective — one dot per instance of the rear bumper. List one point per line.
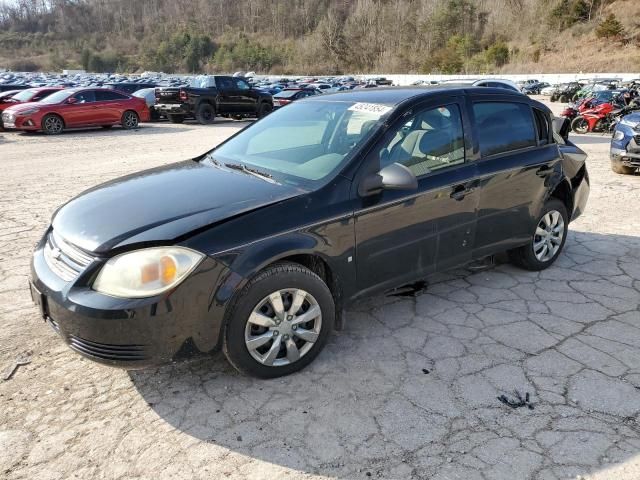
(173, 108)
(581, 189)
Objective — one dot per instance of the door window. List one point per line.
(225, 84)
(542, 126)
(108, 95)
(85, 97)
(428, 141)
(504, 126)
(241, 84)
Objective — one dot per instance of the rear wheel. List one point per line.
(205, 114)
(562, 99)
(580, 125)
(52, 124)
(618, 167)
(130, 120)
(548, 238)
(176, 118)
(279, 322)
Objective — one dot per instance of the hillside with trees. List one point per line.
(321, 36)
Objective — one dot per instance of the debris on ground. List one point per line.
(408, 290)
(518, 402)
(21, 360)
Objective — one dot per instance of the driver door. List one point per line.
(405, 235)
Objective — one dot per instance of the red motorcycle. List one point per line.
(573, 110)
(595, 119)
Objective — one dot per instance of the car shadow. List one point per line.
(412, 383)
(591, 138)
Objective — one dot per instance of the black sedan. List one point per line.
(257, 246)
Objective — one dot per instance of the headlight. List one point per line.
(618, 135)
(29, 111)
(147, 272)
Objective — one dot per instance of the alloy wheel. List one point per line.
(53, 124)
(548, 236)
(283, 327)
(130, 120)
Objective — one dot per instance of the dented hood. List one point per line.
(162, 204)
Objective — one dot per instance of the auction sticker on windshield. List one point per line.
(374, 108)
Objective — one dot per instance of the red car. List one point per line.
(28, 95)
(78, 107)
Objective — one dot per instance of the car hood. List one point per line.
(632, 117)
(162, 204)
(21, 106)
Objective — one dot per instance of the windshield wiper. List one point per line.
(251, 171)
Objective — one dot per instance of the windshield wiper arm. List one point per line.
(251, 171)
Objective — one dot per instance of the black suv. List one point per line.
(258, 245)
(208, 96)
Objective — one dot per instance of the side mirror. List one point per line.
(391, 177)
(72, 100)
(562, 125)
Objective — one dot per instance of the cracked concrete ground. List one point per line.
(408, 390)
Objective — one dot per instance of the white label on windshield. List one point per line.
(374, 108)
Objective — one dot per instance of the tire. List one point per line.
(130, 120)
(205, 114)
(579, 125)
(618, 167)
(553, 98)
(176, 118)
(270, 359)
(264, 109)
(563, 99)
(530, 256)
(52, 124)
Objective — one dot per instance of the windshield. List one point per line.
(304, 143)
(24, 95)
(57, 97)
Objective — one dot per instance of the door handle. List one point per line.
(460, 191)
(544, 171)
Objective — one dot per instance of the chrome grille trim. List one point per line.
(65, 260)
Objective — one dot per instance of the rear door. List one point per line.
(228, 98)
(518, 160)
(109, 106)
(247, 97)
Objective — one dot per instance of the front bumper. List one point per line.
(11, 121)
(128, 333)
(627, 150)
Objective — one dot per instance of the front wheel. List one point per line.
(264, 109)
(580, 125)
(130, 120)
(279, 322)
(52, 124)
(548, 238)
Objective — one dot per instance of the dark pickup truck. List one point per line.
(208, 96)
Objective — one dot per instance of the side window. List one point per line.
(241, 84)
(225, 84)
(86, 97)
(107, 95)
(504, 126)
(428, 141)
(542, 125)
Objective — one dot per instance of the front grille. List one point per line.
(129, 353)
(637, 139)
(65, 260)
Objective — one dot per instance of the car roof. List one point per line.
(392, 96)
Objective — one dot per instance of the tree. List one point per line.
(498, 54)
(610, 28)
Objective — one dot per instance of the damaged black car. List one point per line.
(258, 246)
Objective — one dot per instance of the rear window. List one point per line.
(504, 126)
(107, 95)
(286, 94)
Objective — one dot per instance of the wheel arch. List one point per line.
(563, 192)
(55, 114)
